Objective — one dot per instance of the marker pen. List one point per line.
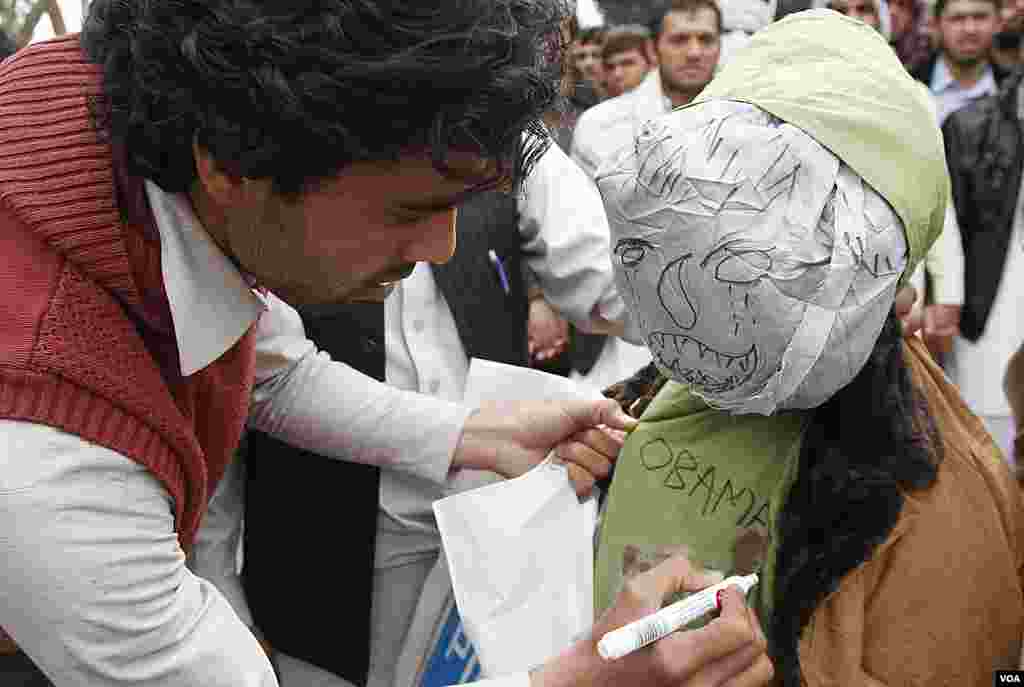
(640, 633)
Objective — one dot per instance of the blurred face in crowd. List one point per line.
(304, 249)
(1013, 16)
(864, 10)
(687, 51)
(624, 71)
(966, 28)
(901, 14)
(587, 58)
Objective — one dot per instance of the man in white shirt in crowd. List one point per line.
(627, 58)
(686, 47)
(585, 53)
(150, 272)
(961, 70)
(985, 152)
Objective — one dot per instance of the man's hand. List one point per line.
(903, 307)
(941, 324)
(510, 438)
(728, 650)
(547, 333)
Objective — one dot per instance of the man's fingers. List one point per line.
(588, 414)
(596, 463)
(727, 634)
(905, 299)
(755, 623)
(913, 322)
(757, 675)
(582, 480)
(731, 667)
(610, 414)
(605, 442)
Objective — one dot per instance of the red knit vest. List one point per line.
(87, 343)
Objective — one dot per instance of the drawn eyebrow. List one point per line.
(632, 243)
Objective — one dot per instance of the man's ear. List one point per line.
(223, 188)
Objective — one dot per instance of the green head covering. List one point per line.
(838, 80)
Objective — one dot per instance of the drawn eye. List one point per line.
(632, 252)
(744, 267)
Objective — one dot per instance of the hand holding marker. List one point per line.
(640, 633)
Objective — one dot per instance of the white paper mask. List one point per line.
(758, 266)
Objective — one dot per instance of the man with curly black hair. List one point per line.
(174, 183)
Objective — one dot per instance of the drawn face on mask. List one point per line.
(758, 266)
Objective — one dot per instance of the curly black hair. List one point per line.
(296, 90)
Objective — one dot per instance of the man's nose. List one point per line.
(973, 25)
(436, 243)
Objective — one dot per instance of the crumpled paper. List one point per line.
(520, 552)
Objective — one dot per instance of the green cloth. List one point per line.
(694, 477)
(838, 80)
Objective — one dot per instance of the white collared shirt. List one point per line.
(950, 96)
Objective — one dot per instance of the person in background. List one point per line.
(1006, 45)
(910, 32)
(864, 10)
(686, 46)
(985, 154)
(961, 70)
(741, 19)
(554, 345)
(627, 58)
(585, 53)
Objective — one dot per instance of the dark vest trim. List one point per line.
(311, 523)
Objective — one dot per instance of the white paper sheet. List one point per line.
(520, 552)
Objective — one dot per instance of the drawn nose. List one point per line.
(672, 292)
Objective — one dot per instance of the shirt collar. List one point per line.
(942, 79)
(212, 304)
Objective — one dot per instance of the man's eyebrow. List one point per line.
(444, 203)
(438, 204)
